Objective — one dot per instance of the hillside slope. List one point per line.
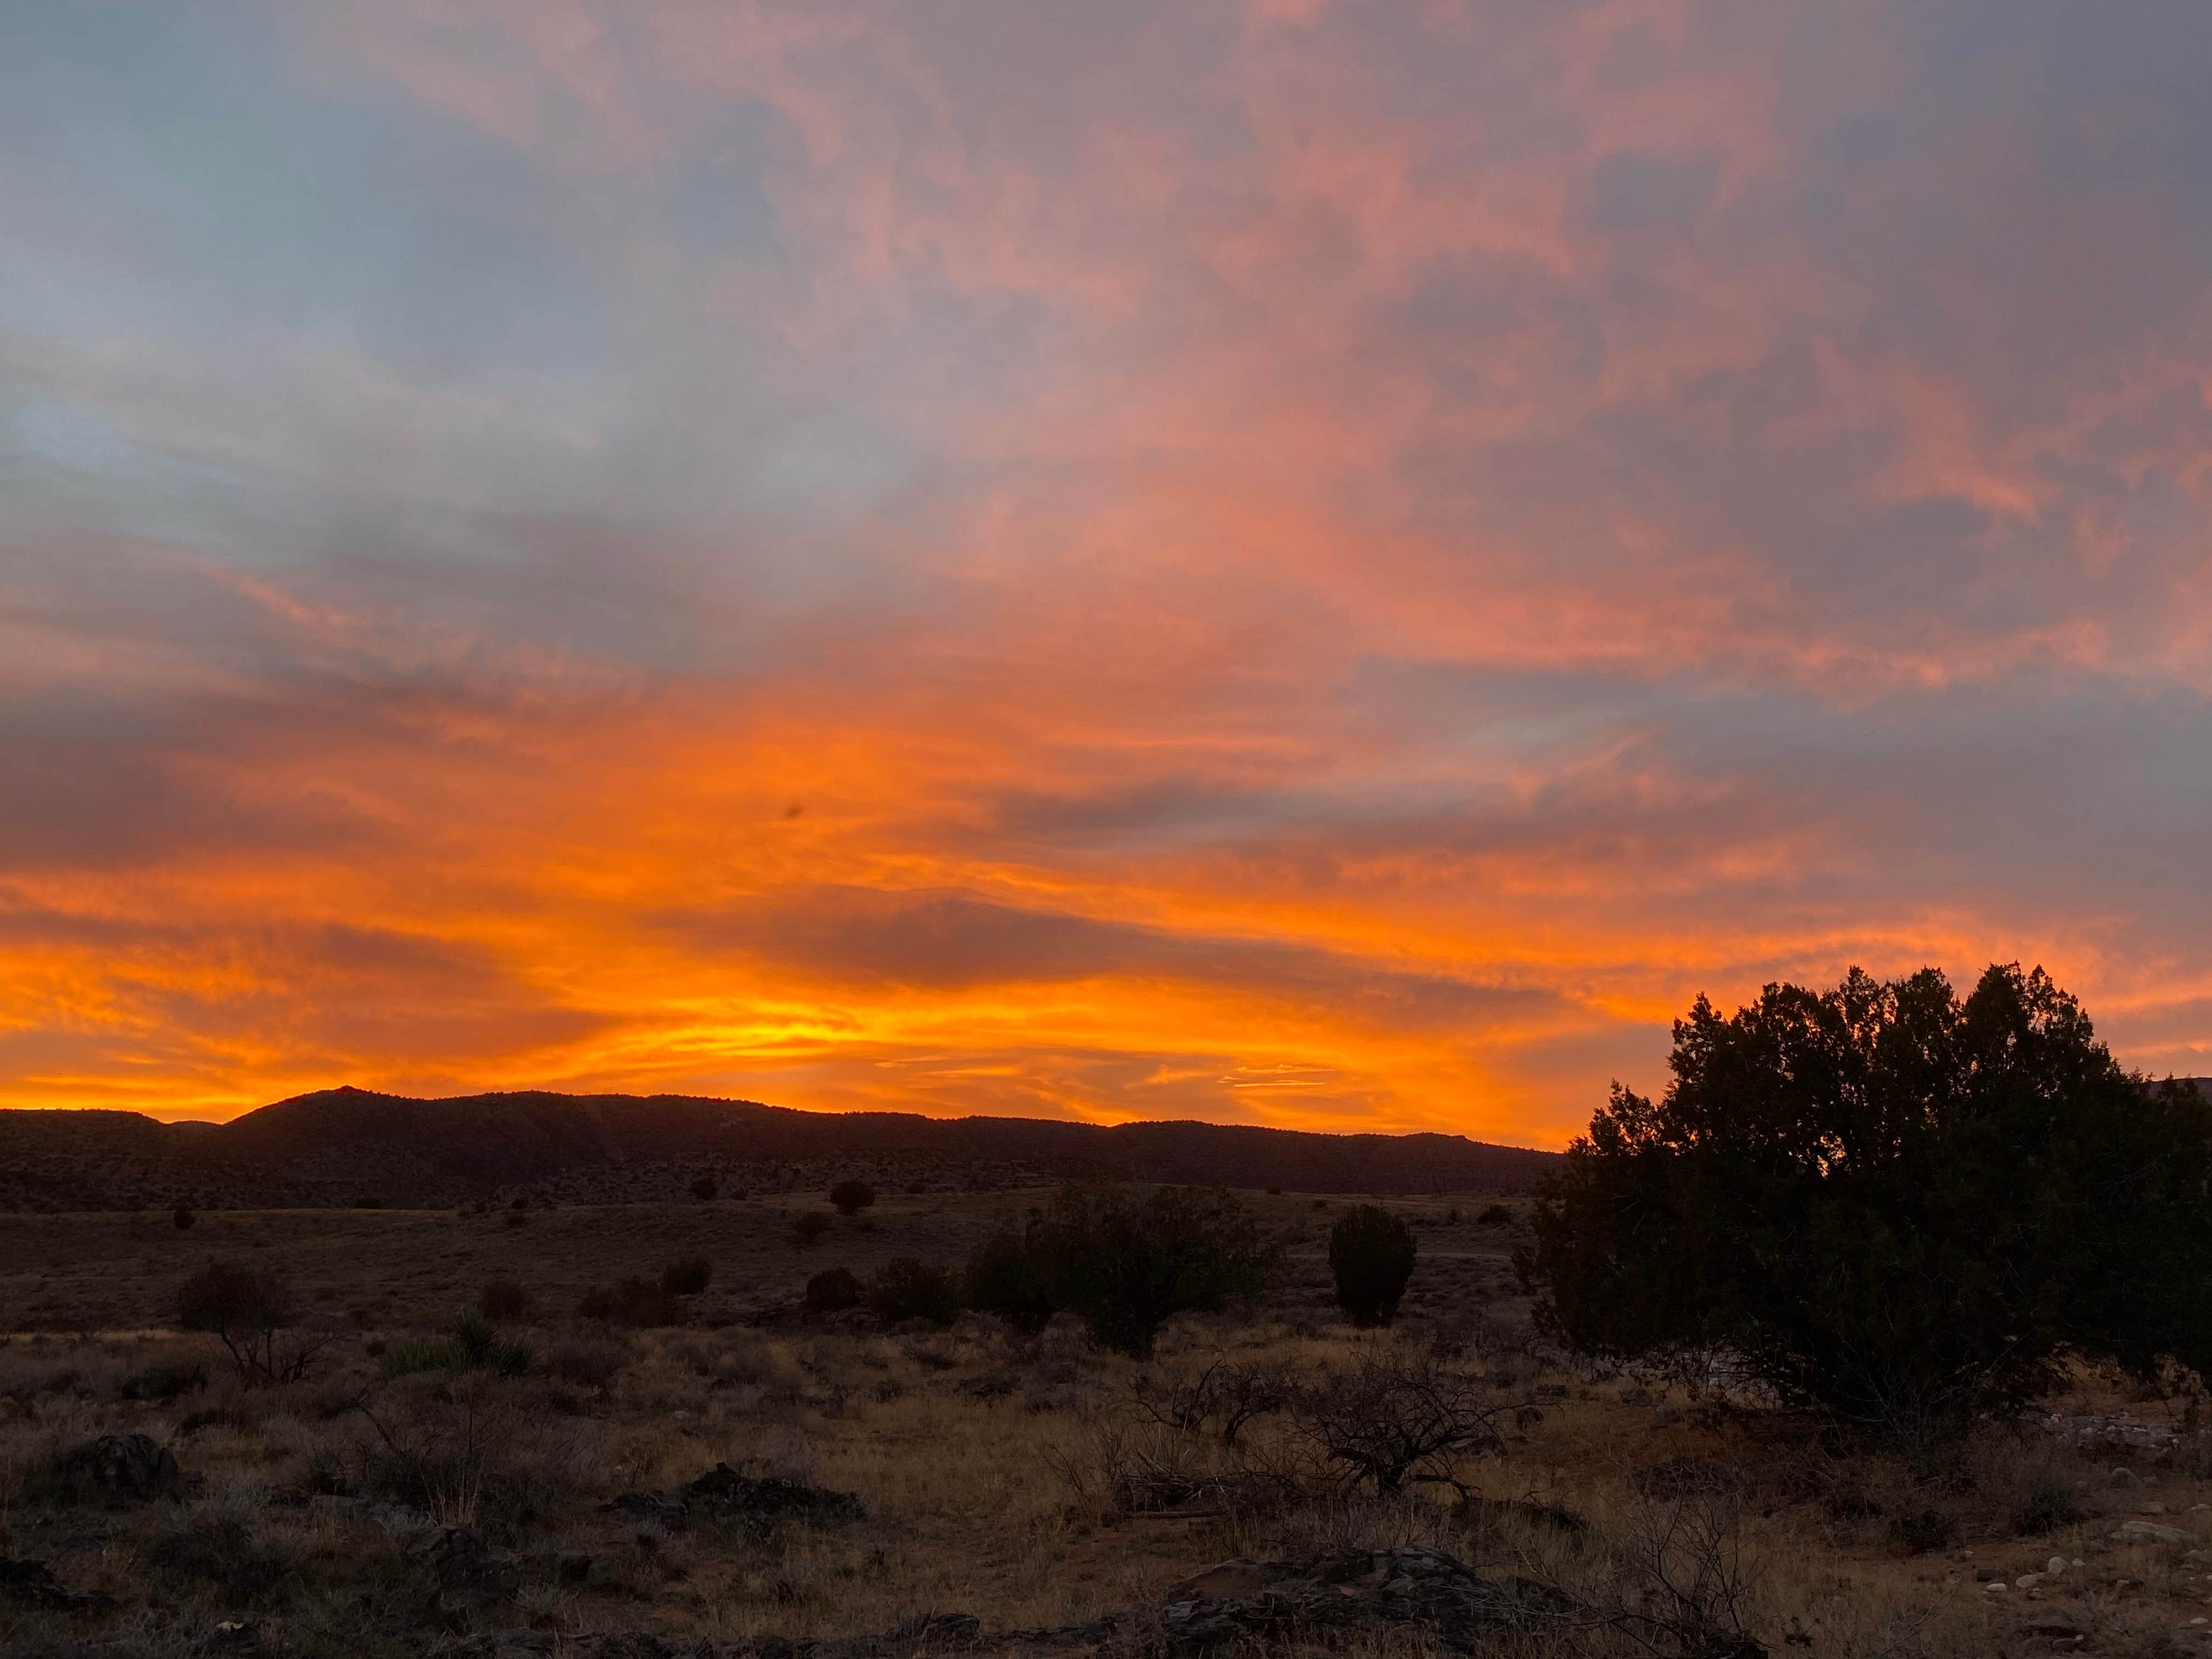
(345, 1146)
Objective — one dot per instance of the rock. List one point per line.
(118, 1469)
(1355, 1593)
(765, 1503)
(32, 1584)
(469, 1573)
(759, 1505)
(2027, 1581)
(2150, 1532)
(650, 1512)
(2057, 1563)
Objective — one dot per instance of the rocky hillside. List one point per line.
(342, 1147)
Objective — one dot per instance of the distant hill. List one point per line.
(344, 1146)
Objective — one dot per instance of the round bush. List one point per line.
(851, 1197)
(1370, 1252)
(911, 1288)
(832, 1291)
(688, 1277)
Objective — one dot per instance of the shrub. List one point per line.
(1494, 1215)
(1004, 1277)
(504, 1301)
(832, 1291)
(1398, 1420)
(1370, 1252)
(590, 1363)
(810, 1227)
(2048, 1506)
(688, 1277)
(248, 1309)
(184, 1218)
(1220, 1400)
(851, 1197)
(470, 1344)
(637, 1302)
(704, 1187)
(1127, 1264)
(1888, 1202)
(1922, 1531)
(910, 1289)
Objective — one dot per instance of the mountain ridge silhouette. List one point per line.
(339, 1146)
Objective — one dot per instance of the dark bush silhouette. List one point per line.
(504, 1301)
(1370, 1252)
(1004, 1277)
(704, 1187)
(1127, 1264)
(911, 1288)
(184, 1218)
(1494, 1215)
(810, 1227)
(641, 1302)
(851, 1197)
(591, 1363)
(1395, 1420)
(470, 1344)
(248, 1311)
(1889, 1202)
(832, 1291)
(688, 1277)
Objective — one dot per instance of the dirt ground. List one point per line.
(1020, 1480)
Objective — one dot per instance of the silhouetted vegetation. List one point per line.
(832, 1291)
(1370, 1255)
(637, 1302)
(1887, 1202)
(810, 1227)
(1126, 1263)
(470, 1343)
(703, 1187)
(851, 1197)
(688, 1277)
(184, 1218)
(248, 1311)
(1004, 1277)
(911, 1288)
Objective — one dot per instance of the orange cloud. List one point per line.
(1308, 563)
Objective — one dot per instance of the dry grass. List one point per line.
(988, 1465)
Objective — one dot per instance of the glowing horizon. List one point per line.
(1305, 562)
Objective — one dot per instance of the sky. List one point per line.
(1329, 563)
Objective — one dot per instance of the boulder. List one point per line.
(118, 1469)
(32, 1584)
(1353, 1594)
(766, 1503)
(759, 1505)
(2150, 1532)
(469, 1574)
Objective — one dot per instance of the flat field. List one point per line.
(401, 1498)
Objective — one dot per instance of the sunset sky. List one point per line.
(1318, 563)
